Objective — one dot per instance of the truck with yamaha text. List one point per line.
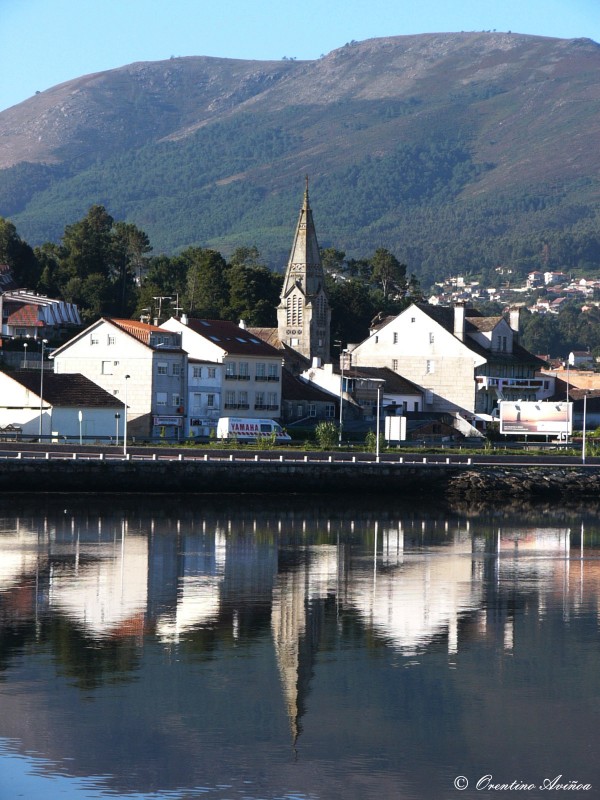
(250, 430)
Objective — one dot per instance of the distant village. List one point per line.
(559, 288)
(436, 372)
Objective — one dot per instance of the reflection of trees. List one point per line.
(89, 662)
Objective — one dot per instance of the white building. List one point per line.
(250, 369)
(26, 313)
(205, 385)
(62, 407)
(141, 365)
(464, 362)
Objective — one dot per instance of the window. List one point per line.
(272, 400)
(299, 410)
(197, 372)
(431, 337)
(210, 400)
(261, 372)
(162, 368)
(395, 364)
(243, 400)
(430, 366)
(230, 400)
(330, 411)
(230, 370)
(312, 409)
(395, 337)
(176, 369)
(212, 372)
(110, 339)
(273, 372)
(413, 319)
(161, 398)
(244, 372)
(416, 405)
(176, 399)
(196, 400)
(107, 367)
(259, 400)
(94, 338)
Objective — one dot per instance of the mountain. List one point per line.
(455, 151)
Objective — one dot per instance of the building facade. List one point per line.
(464, 362)
(247, 374)
(143, 366)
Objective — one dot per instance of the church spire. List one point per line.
(303, 314)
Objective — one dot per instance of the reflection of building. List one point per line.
(106, 589)
(198, 591)
(410, 603)
(296, 619)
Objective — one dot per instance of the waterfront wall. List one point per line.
(264, 477)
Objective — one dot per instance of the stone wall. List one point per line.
(403, 481)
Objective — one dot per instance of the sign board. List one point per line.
(536, 418)
(395, 429)
(177, 421)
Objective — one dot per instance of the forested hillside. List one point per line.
(456, 152)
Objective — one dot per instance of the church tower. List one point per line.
(304, 314)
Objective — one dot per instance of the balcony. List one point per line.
(273, 378)
(229, 377)
(236, 406)
(531, 384)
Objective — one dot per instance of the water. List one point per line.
(309, 649)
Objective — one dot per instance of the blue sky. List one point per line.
(46, 42)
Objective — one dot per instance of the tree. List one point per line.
(388, 272)
(206, 291)
(18, 255)
(333, 261)
(253, 289)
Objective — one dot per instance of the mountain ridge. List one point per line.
(517, 114)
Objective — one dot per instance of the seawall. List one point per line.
(273, 477)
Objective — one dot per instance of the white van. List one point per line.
(245, 430)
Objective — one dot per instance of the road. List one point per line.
(27, 450)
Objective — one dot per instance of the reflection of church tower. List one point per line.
(304, 315)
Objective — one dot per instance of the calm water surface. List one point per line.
(187, 648)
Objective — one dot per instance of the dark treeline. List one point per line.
(107, 269)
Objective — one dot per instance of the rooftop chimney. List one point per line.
(459, 321)
(514, 323)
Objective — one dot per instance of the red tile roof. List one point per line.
(26, 315)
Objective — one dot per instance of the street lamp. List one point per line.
(380, 384)
(125, 419)
(44, 343)
(80, 417)
(117, 418)
(584, 426)
(343, 354)
(25, 357)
